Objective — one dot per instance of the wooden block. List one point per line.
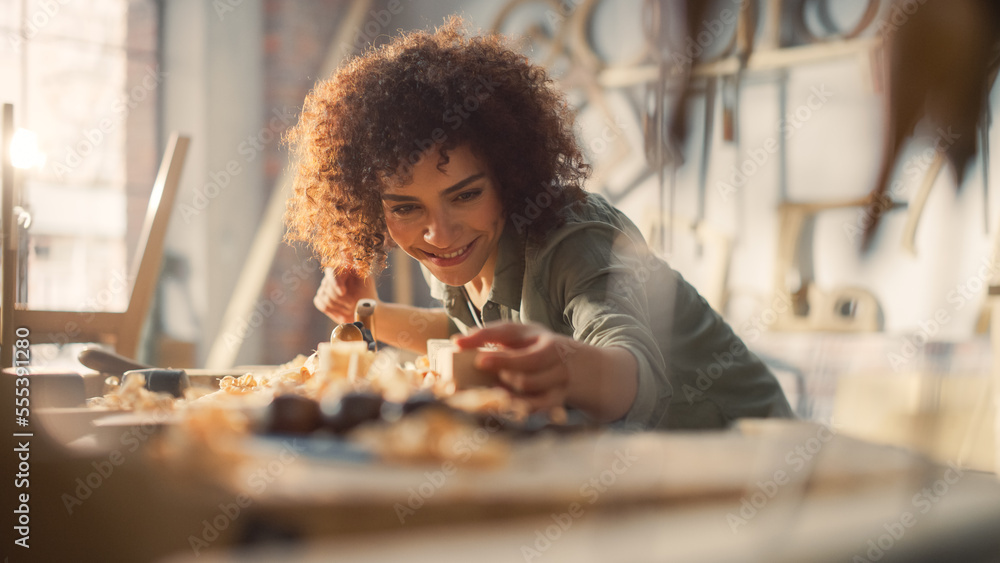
(435, 345)
(334, 359)
(458, 365)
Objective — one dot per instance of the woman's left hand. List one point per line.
(532, 363)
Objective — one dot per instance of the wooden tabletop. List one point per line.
(768, 491)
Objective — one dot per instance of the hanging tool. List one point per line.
(939, 68)
(984, 157)
(850, 309)
(654, 119)
(746, 27)
(918, 202)
(829, 23)
(707, 136)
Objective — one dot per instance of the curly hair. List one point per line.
(363, 129)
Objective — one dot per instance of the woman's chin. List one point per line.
(451, 278)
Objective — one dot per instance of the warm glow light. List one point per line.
(24, 150)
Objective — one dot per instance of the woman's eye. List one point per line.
(470, 195)
(403, 209)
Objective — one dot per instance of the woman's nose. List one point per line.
(442, 230)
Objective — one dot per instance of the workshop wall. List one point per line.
(833, 147)
(267, 56)
(213, 62)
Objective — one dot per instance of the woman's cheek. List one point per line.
(396, 233)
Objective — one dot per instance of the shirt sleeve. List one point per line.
(596, 276)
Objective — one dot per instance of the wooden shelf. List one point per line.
(760, 61)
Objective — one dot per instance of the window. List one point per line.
(84, 76)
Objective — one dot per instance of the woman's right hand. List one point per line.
(338, 294)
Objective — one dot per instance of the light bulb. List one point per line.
(24, 150)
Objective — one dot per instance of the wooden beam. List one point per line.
(71, 325)
(146, 266)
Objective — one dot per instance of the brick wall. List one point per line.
(296, 36)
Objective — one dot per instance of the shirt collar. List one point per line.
(508, 274)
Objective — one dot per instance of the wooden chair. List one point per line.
(119, 329)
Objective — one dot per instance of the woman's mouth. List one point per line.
(450, 258)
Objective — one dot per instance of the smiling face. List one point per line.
(449, 219)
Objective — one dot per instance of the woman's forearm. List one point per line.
(408, 327)
(604, 380)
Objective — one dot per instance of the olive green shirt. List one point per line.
(595, 279)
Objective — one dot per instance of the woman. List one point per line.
(462, 153)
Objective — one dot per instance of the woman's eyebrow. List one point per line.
(462, 184)
(393, 197)
(447, 191)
